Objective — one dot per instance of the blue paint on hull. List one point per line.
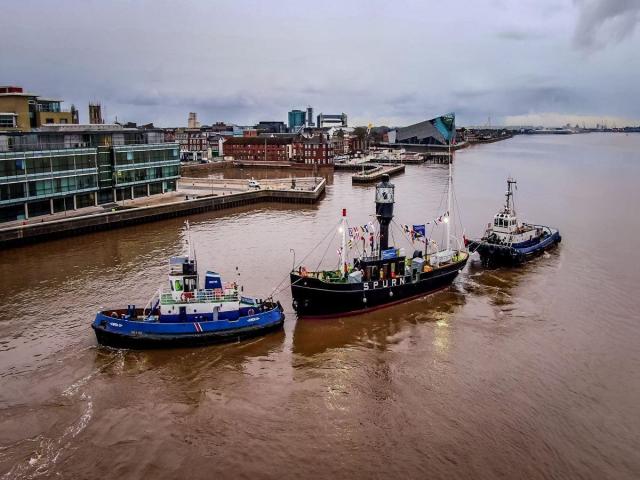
(493, 254)
(127, 333)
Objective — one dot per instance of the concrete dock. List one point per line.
(193, 202)
(376, 173)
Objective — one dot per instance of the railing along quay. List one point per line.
(37, 232)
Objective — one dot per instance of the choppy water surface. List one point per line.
(510, 373)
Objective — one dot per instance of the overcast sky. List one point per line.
(386, 62)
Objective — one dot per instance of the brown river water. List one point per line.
(527, 373)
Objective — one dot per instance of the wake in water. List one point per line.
(49, 450)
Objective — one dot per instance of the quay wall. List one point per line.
(354, 167)
(377, 174)
(38, 232)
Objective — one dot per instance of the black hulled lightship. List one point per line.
(384, 277)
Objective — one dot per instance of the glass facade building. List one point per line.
(156, 167)
(41, 182)
(297, 119)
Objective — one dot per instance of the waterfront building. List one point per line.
(437, 131)
(260, 149)
(22, 111)
(315, 150)
(297, 120)
(327, 120)
(193, 144)
(65, 167)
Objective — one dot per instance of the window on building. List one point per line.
(12, 191)
(7, 121)
(38, 165)
(85, 200)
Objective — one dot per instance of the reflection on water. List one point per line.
(528, 372)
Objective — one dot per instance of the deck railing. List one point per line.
(200, 296)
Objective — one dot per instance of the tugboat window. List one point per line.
(190, 284)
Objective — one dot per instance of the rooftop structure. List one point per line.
(22, 111)
(327, 120)
(193, 120)
(95, 113)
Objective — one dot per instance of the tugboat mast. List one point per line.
(508, 207)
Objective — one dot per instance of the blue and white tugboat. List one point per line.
(509, 242)
(186, 315)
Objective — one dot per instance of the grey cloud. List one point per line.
(517, 35)
(230, 61)
(601, 22)
(522, 98)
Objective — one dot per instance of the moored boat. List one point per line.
(187, 315)
(506, 241)
(384, 275)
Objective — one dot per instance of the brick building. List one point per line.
(260, 149)
(317, 149)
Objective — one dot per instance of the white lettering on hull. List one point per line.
(394, 282)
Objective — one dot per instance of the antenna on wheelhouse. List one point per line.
(191, 250)
(510, 206)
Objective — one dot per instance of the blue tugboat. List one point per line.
(186, 315)
(509, 242)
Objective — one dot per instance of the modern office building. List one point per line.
(65, 167)
(310, 117)
(326, 120)
(271, 127)
(297, 120)
(22, 111)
